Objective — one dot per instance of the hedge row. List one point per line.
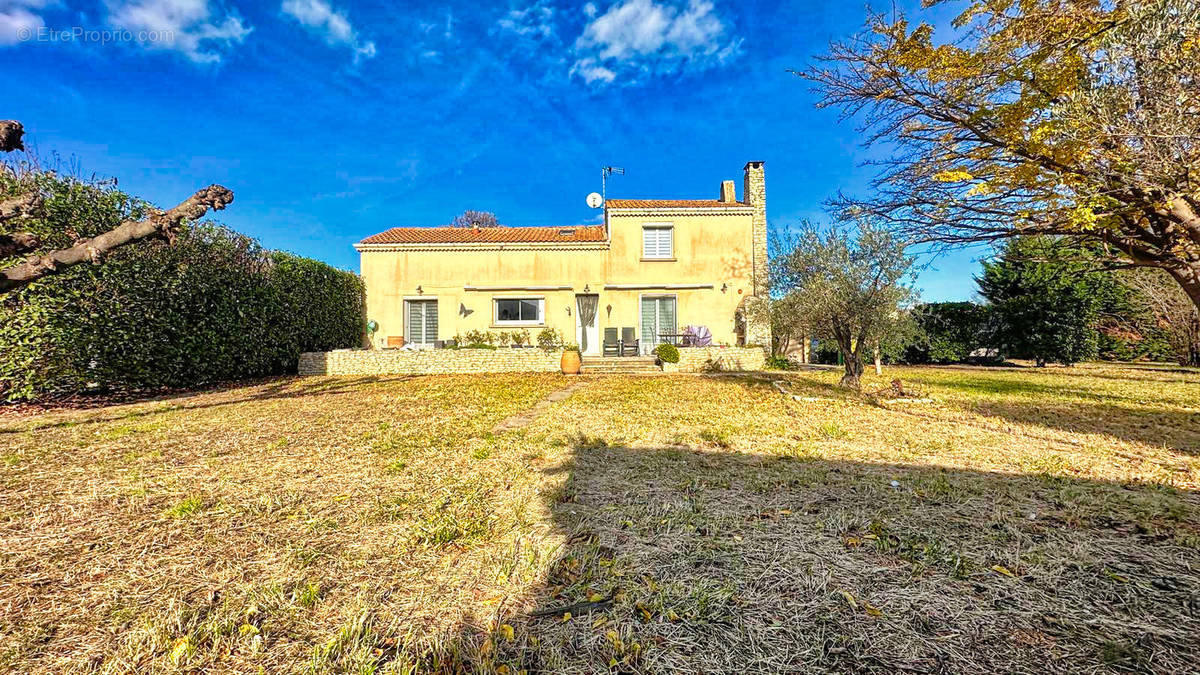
(213, 306)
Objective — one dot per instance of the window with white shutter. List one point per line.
(658, 241)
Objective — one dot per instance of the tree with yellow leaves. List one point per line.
(1078, 119)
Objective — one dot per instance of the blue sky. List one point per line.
(332, 120)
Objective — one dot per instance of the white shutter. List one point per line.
(422, 328)
(431, 321)
(649, 243)
(657, 242)
(416, 323)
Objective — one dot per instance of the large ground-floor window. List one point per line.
(422, 321)
(519, 311)
(658, 318)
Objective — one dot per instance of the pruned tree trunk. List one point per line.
(21, 206)
(878, 360)
(17, 243)
(162, 224)
(11, 133)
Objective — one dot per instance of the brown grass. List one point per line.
(1021, 521)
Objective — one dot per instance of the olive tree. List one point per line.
(849, 284)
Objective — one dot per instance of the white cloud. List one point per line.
(591, 71)
(331, 24)
(535, 21)
(198, 29)
(19, 20)
(634, 38)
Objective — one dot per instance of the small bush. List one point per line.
(667, 353)
(781, 363)
(549, 339)
(477, 339)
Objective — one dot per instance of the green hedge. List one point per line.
(213, 306)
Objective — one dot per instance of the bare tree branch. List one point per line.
(162, 224)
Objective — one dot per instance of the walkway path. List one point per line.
(523, 418)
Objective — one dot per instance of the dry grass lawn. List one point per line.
(1017, 521)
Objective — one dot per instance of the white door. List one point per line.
(587, 336)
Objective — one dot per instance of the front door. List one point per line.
(658, 318)
(586, 332)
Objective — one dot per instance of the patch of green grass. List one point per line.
(717, 437)
(187, 507)
(833, 431)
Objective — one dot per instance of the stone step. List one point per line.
(618, 365)
(652, 370)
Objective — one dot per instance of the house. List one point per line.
(655, 266)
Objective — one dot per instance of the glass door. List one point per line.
(658, 319)
(422, 322)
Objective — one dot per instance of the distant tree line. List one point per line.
(1045, 302)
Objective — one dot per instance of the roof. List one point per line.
(672, 204)
(468, 235)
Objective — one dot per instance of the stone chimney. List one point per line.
(754, 193)
(728, 192)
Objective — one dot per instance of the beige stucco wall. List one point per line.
(710, 249)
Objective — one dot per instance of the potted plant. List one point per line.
(570, 360)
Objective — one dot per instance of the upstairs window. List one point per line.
(519, 311)
(658, 241)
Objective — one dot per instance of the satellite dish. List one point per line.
(594, 200)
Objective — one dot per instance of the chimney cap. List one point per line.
(757, 164)
(728, 192)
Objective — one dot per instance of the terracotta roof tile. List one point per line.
(466, 235)
(672, 204)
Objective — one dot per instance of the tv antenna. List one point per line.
(604, 174)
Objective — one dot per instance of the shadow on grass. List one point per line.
(1166, 422)
(285, 387)
(1169, 423)
(698, 560)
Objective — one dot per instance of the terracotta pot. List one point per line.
(570, 362)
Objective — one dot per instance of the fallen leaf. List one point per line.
(1003, 570)
(872, 609)
(849, 599)
(599, 622)
(566, 617)
(507, 632)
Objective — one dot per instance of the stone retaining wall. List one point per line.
(702, 359)
(428, 361)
